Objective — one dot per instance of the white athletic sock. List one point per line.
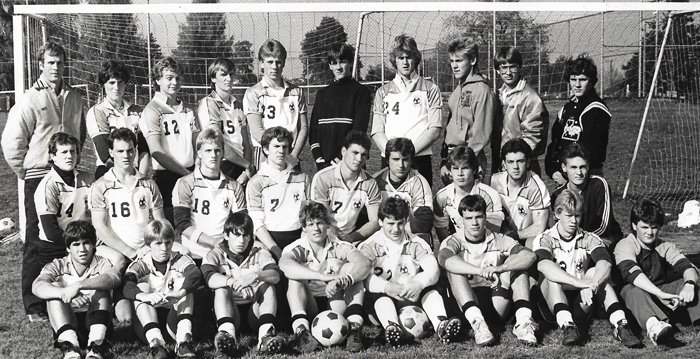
(228, 327)
(472, 314)
(97, 333)
(434, 307)
(69, 336)
(617, 316)
(155, 334)
(301, 322)
(184, 327)
(355, 319)
(523, 315)
(386, 311)
(263, 330)
(651, 322)
(564, 317)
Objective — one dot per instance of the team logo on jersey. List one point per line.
(416, 101)
(227, 203)
(403, 269)
(579, 266)
(521, 210)
(465, 98)
(142, 202)
(296, 196)
(357, 204)
(572, 130)
(291, 107)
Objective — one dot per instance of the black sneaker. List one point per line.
(624, 334)
(69, 350)
(570, 336)
(307, 342)
(98, 351)
(270, 343)
(185, 350)
(225, 343)
(158, 351)
(354, 341)
(448, 329)
(393, 334)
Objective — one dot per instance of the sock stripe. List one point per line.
(224, 320)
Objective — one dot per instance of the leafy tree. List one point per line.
(315, 46)
(6, 55)
(244, 57)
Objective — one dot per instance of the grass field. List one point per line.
(21, 339)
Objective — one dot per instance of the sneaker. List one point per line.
(307, 342)
(659, 332)
(482, 334)
(225, 343)
(38, 317)
(185, 349)
(98, 351)
(271, 343)
(448, 329)
(393, 334)
(624, 334)
(158, 351)
(69, 350)
(525, 332)
(354, 342)
(570, 334)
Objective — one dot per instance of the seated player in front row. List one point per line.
(569, 283)
(203, 199)
(163, 279)
(241, 272)
(76, 284)
(405, 273)
(322, 269)
(660, 279)
(463, 165)
(482, 266)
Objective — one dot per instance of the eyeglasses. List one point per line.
(513, 69)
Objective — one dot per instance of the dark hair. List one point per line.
(463, 154)
(472, 203)
(574, 150)
(402, 145)
(358, 138)
(228, 66)
(62, 139)
(240, 224)
(78, 230)
(405, 44)
(162, 64)
(514, 146)
(113, 69)
(158, 230)
(582, 65)
(508, 55)
(395, 208)
(648, 211)
(311, 211)
(272, 48)
(123, 134)
(51, 48)
(341, 51)
(570, 201)
(279, 133)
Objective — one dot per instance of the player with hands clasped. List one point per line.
(324, 271)
(242, 275)
(569, 282)
(405, 273)
(659, 278)
(488, 270)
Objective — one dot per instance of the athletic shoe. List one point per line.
(98, 351)
(448, 329)
(570, 334)
(525, 332)
(393, 334)
(659, 332)
(158, 351)
(225, 343)
(270, 343)
(307, 342)
(185, 349)
(354, 341)
(624, 334)
(69, 350)
(482, 334)
(38, 317)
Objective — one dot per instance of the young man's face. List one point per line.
(316, 230)
(81, 251)
(114, 90)
(580, 84)
(237, 243)
(169, 82)
(405, 65)
(399, 166)
(123, 153)
(223, 81)
(474, 225)
(341, 69)
(277, 151)
(210, 156)
(510, 74)
(567, 222)
(646, 232)
(161, 249)
(576, 170)
(461, 67)
(354, 157)
(52, 68)
(272, 68)
(516, 165)
(462, 175)
(66, 157)
(393, 228)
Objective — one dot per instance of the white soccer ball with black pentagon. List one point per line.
(329, 328)
(414, 321)
(6, 226)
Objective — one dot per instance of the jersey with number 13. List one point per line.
(278, 107)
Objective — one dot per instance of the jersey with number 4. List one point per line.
(395, 262)
(228, 117)
(278, 107)
(68, 204)
(129, 208)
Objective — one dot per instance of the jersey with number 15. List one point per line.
(278, 107)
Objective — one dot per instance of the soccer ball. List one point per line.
(329, 328)
(6, 225)
(414, 321)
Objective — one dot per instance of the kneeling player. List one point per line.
(163, 279)
(569, 284)
(405, 273)
(481, 263)
(242, 273)
(320, 266)
(76, 284)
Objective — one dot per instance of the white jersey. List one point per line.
(518, 207)
(170, 281)
(68, 204)
(275, 197)
(228, 117)
(447, 201)
(103, 118)
(573, 256)
(395, 262)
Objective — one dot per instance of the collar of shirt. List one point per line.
(323, 254)
(554, 232)
(406, 86)
(110, 176)
(125, 109)
(200, 176)
(506, 180)
(266, 83)
(363, 176)
(277, 175)
(219, 100)
(163, 99)
(88, 270)
(507, 91)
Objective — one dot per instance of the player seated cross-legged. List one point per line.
(242, 274)
(569, 281)
(405, 273)
(400, 180)
(164, 279)
(77, 288)
(488, 270)
(463, 165)
(203, 199)
(323, 269)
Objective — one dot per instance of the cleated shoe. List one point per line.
(98, 351)
(270, 343)
(225, 343)
(69, 350)
(158, 350)
(448, 329)
(624, 334)
(307, 342)
(525, 332)
(354, 342)
(570, 335)
(393, 334)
